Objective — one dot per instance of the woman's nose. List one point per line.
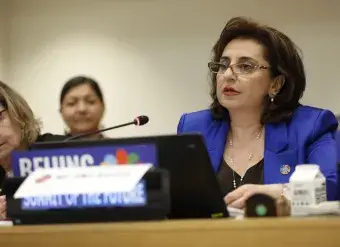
(228, 75)
(81, 107)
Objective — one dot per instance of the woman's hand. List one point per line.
(238, 197)
(3, 208)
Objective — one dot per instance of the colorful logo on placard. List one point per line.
(121, 157)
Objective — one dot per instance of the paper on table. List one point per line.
(235, 212)
(95, 179)
(6, 223)
(324, 208)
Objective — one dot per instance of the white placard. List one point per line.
(95, 179)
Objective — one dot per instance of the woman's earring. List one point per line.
(272, 98)
(66, 131)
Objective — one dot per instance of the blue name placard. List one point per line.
(137, 197)
(25, 162)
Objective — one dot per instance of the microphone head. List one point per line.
(141, 120)
(260, 205)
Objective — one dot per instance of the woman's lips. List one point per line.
(229, 91)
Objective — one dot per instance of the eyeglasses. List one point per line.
(237, 68)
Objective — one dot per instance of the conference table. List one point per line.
(262, 232)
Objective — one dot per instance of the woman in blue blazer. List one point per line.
(256, 131)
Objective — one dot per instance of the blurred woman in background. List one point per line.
(18, 130)
(82, 106)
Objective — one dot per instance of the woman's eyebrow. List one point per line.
(246, 59)
(240, 59)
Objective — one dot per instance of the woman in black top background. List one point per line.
(82, 106)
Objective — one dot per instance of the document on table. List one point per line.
(235, 212)
(6, 223)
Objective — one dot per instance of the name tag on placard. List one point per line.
(84, 180)
(136, 197)
(25, 162)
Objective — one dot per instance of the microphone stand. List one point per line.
(99, 131)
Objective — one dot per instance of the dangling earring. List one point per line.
(272, 98)
(66, 131)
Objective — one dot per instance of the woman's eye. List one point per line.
(245, 67)
(2, 114)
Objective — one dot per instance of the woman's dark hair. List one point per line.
(78, 81)
(284, 59)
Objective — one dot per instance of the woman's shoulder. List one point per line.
(195, 121)
(48, 137)
(309, 113)
(314, 119)
(305, 111)
(198, 115)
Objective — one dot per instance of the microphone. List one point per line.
(139, 121)
(260, 205)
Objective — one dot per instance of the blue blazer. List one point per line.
(307, 138)
(337, 139)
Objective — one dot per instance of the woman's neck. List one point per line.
(6, 161)
(245, 125)
(89, 137)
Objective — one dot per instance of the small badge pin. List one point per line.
(285, 169)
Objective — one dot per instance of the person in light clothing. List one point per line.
(18, 130)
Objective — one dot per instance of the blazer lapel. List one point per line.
(277, 154)
(216, 136)
(276, 149)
